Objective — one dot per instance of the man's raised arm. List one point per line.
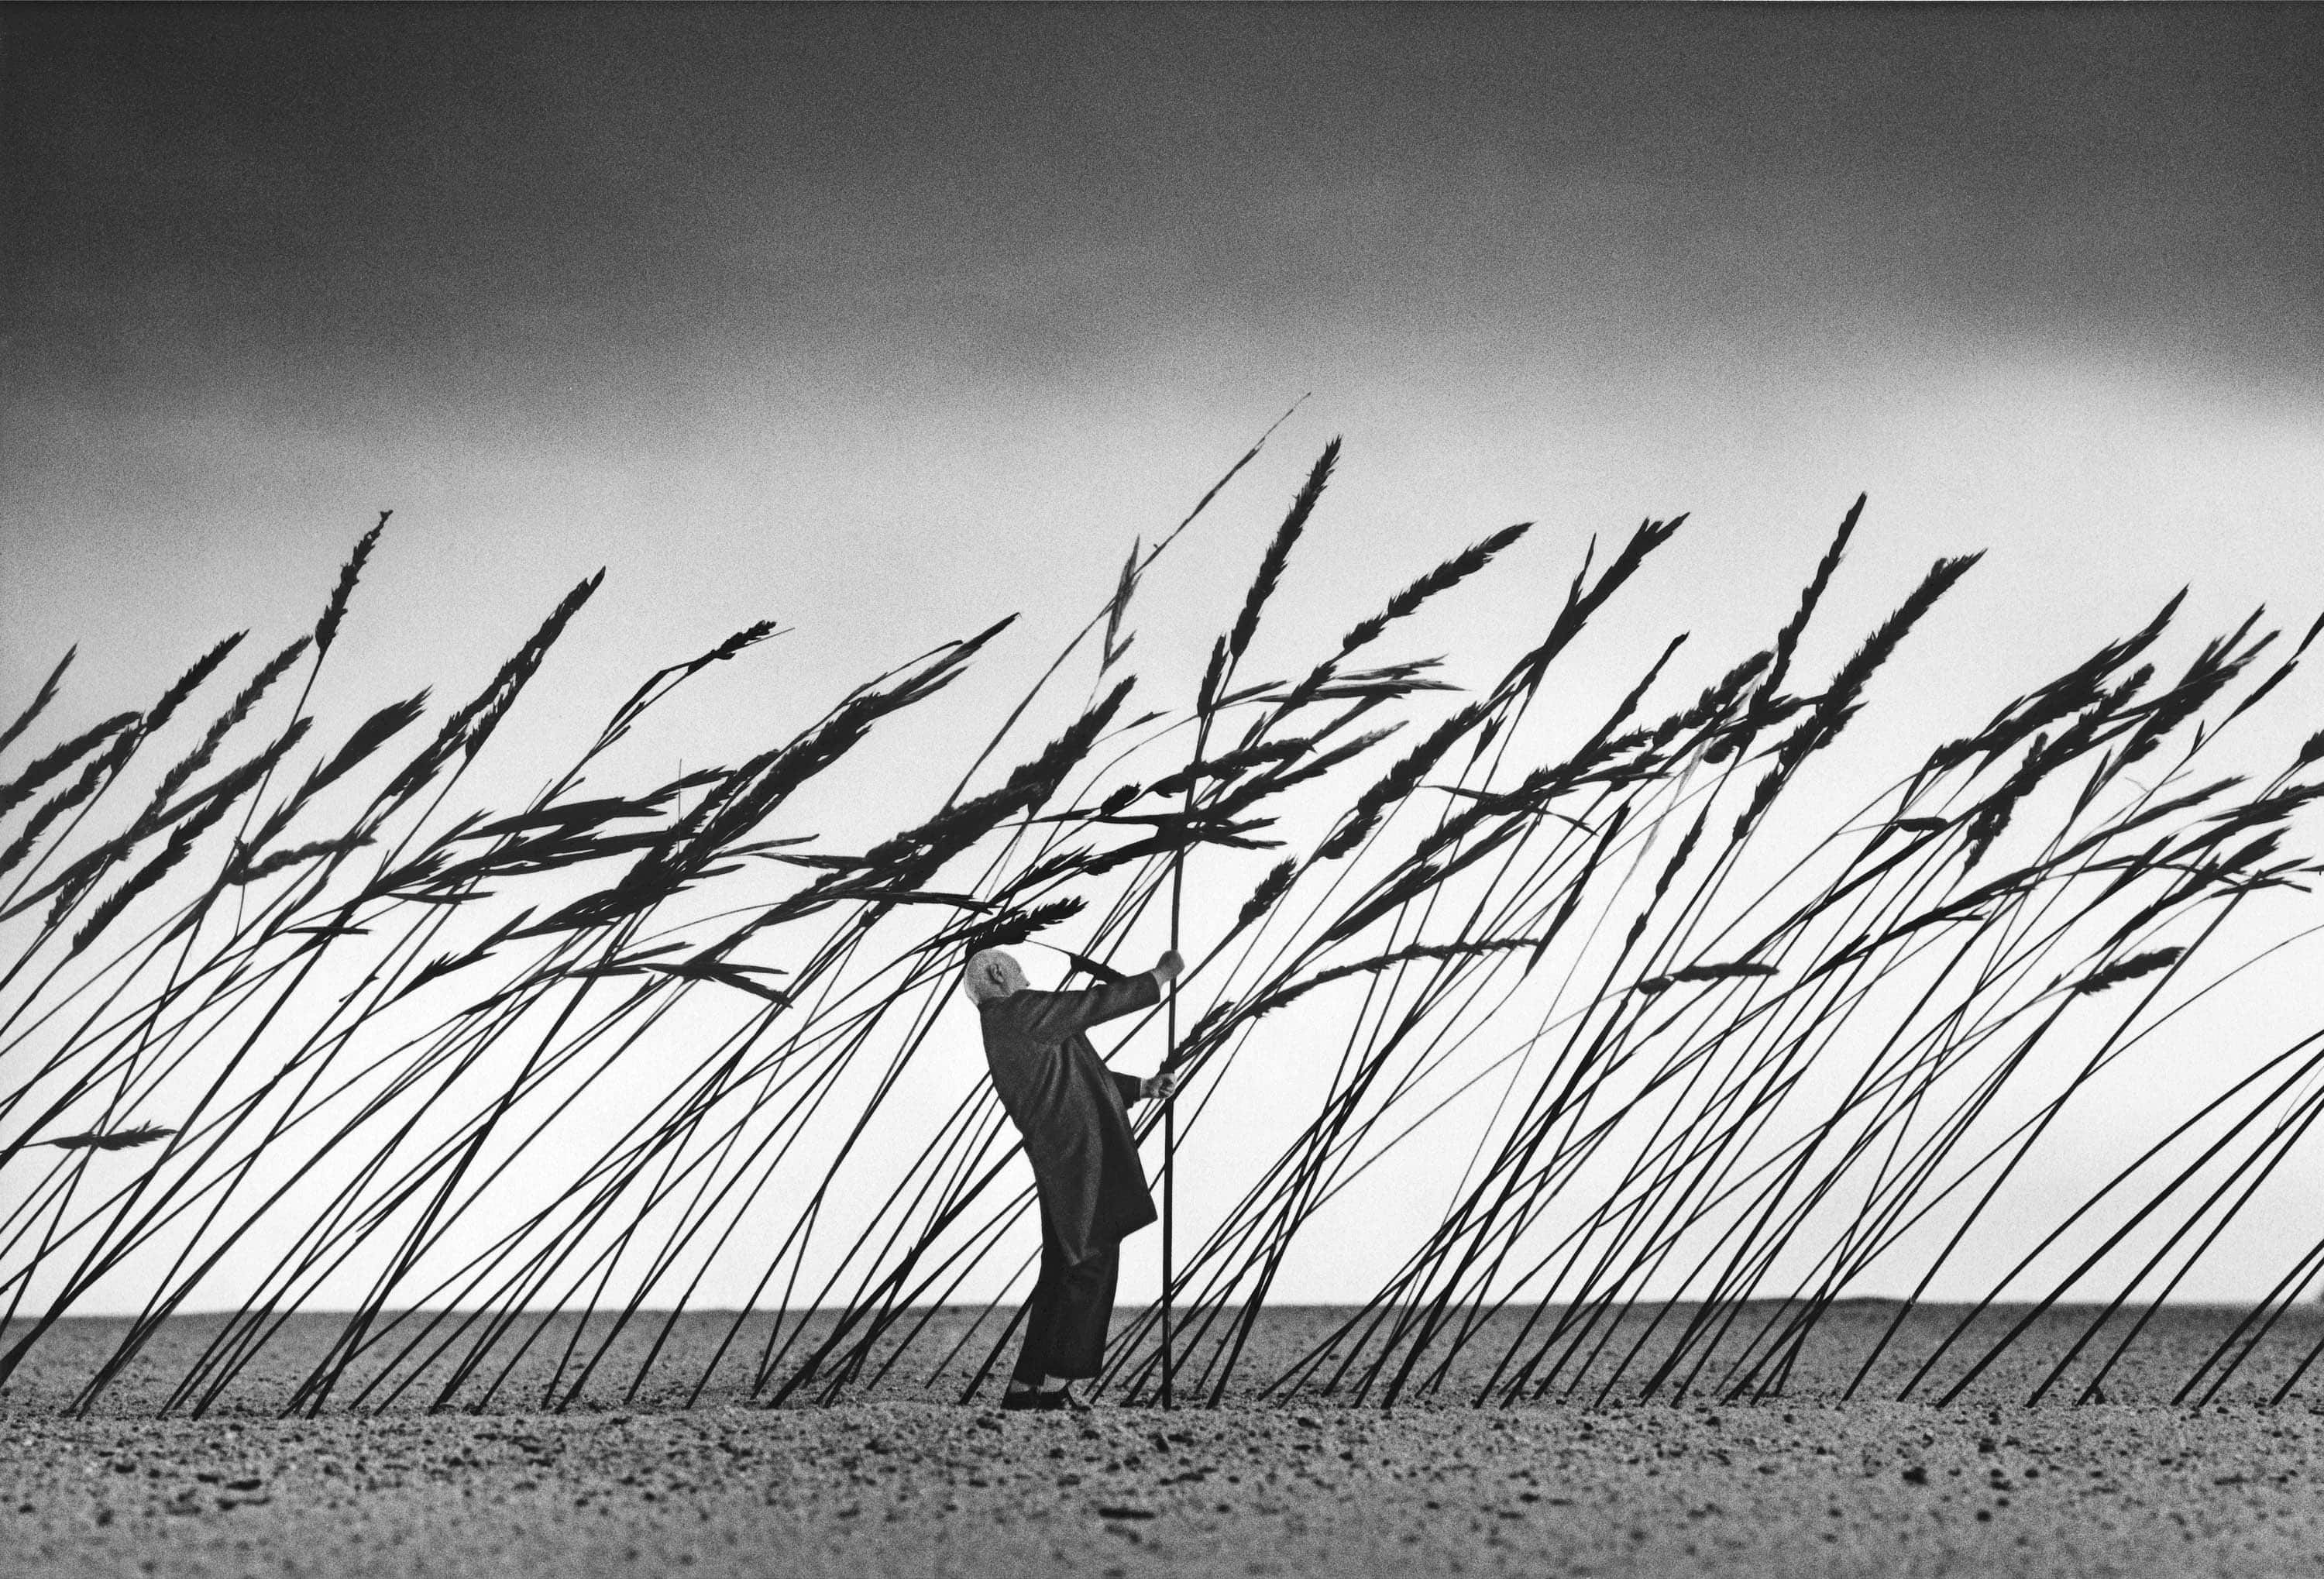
(1052, 1017)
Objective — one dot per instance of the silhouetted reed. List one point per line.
(1698, 1053)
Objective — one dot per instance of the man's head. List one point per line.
(991, 976)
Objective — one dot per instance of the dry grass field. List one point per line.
(910, 1481)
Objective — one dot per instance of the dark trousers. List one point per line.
(1067, 1318)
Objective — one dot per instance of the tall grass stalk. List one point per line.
(1693, 1052)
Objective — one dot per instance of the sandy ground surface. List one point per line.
(908, 1481)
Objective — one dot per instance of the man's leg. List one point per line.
(1085, 1310)
(1041, 1314)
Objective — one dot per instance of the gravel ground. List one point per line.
(901, 1485)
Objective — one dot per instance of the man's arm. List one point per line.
(1052, 1017)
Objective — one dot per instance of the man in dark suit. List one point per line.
(1074, 1114)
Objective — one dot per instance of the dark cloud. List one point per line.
(495, 203)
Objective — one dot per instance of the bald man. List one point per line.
(1074, 1114)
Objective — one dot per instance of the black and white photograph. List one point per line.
(1158, 788)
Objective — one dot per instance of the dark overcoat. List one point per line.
(1072, 1110)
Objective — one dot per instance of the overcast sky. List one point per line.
(887, 321)
(763, 306)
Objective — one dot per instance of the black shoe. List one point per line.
(1032, 1398)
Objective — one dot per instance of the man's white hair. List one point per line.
(991, 976)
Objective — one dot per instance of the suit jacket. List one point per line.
(1072, 1110)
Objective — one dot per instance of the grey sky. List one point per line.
(470, 201)
(268, 269)
(810, 294)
